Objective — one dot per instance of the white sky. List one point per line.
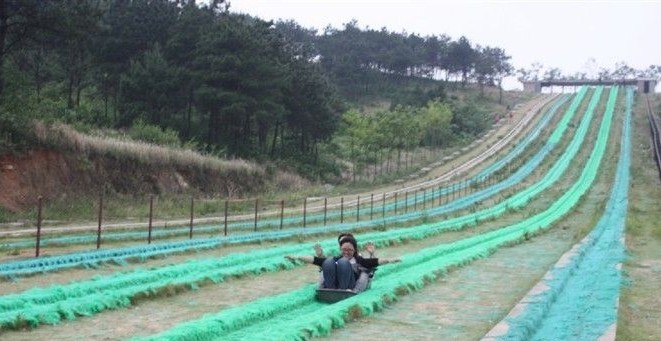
(562, 34)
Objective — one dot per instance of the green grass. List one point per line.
(4, 215)
(639, 313)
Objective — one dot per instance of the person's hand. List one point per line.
(318, 250)
(370, 248)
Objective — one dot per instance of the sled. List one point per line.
(333, 295)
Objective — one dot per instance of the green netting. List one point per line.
(585, 307)
(75, 298)
(312, 318)
(587, 304)
(118, 255)
(580, 297)
(534, 133)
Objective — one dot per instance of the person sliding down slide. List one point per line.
(350, 271)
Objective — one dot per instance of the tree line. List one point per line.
(226, 83)
(620, 71)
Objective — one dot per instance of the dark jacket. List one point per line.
(368, 263)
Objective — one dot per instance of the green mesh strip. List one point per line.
(151, 281)
(310, 319)
(265, 224)
(579, 300)
(119, 255)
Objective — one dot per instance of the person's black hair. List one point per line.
(352, 240)
(343, 235)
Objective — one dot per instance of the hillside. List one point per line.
(67, 165)
(69, 168)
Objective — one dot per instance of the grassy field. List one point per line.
(640, 303)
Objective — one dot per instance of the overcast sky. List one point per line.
(574, 36)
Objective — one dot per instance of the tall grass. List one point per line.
(63, 135)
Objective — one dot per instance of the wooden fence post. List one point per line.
(415, 200)
(396, 203)
(98, 231)
(39, 208)
(424, 199)
(371, 205)
(151, 215)
(256, 207)
(226, 208)
(305, 211)
(341, 210)
(325, 209)
(406, 202)
(282, 211)
(192, 208)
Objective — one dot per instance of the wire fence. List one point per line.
(208, 217)
(232, 217)
(656, 137)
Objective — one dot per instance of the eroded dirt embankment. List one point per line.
(54, 174)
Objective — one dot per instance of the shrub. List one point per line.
(153, 134)
(15, 132)
(4, 216)
(289, 181)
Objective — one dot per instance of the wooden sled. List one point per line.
(333, 295)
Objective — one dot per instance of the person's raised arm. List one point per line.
(318, 251)
(370, 249)
(304, 259)
(383, 261)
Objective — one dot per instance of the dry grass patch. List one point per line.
(147, 153)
